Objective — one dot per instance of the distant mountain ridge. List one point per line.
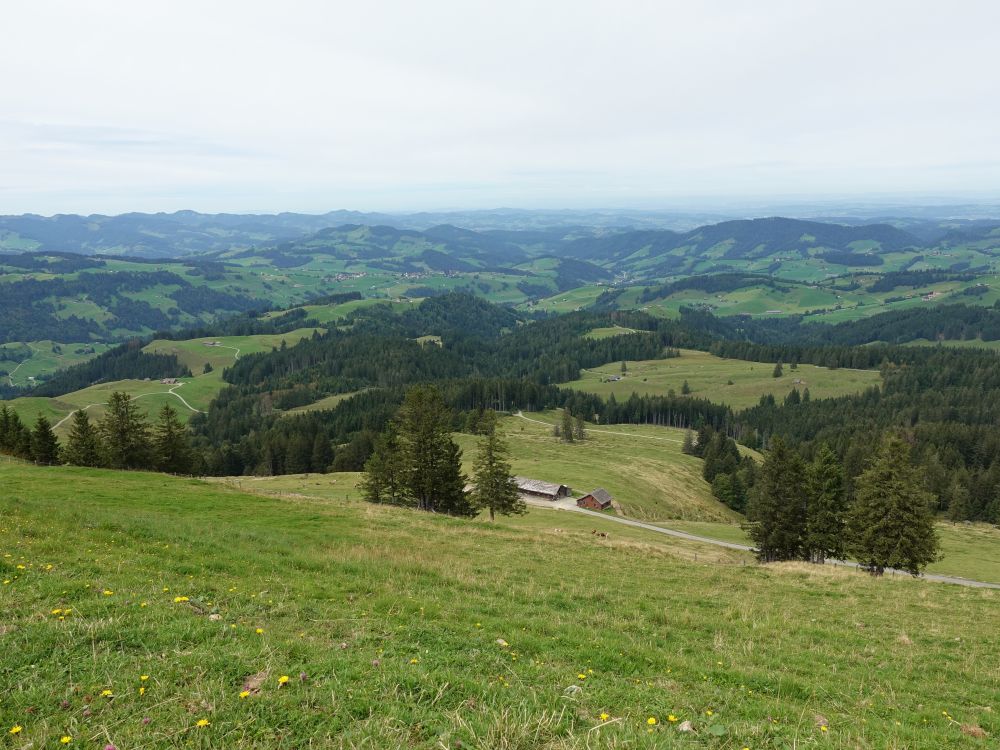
(498, 234)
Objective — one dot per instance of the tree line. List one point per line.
(806, 510)
(122, 438)
(416, 463)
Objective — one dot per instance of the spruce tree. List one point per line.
(298, 458)
(451, 495)
(890, 524)
(579, 429)
(824, 537)
(383, 478)
(322, 454)
(432, 462)
(171, 446)
(44, 445)
(688, 445)
(958, 502)
(495, 489)
(83, 447)
(124, 434)
(566, 429)
(777, 371)
(685, 388)
(776, 508)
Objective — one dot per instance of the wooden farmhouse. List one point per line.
(535, 488)
(599, 499)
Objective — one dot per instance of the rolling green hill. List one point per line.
(177, 608)
(734, 382)
(188, 395)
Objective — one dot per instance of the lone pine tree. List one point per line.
(890, 524)
(124, 434)
(171, 446)
(82, 445)
(495, 489)
(566, 429)
(44, 445)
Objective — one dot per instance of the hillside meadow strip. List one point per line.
(142, 610)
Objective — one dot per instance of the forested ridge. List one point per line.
(482, 357)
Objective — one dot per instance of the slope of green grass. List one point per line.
(151, 395)
(196, 353)
(967, 550)
(609, 332)
(403, 630)
(46, 358)
(570, 300)
(641, 466)
(709, 377)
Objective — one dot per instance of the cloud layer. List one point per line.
(302, 105)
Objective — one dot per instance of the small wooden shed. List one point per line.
(539, 489)
(599, 499)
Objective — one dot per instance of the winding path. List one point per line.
(170, 392)
(223, 346)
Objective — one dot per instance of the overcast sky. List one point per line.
(309, 106)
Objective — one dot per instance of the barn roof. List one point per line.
(601, 495)
(537, 486)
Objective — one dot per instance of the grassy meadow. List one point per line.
(967, 550)
(641, 466)
(709, 377)
(193, 394)
(148, 611)
(46, 358)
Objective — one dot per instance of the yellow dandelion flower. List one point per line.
(672, 718)
(108, 592)
(65, 739)
(414, 660)
(581, 676)
(244, 694)
(142, 690)
(203, 723)
(604, 717)
(824, 728)
(16, 729)
(283, 679)
(179, 599)
(651, 721)
(107, 694)
(709, 712)
(57, 611)
(259, 631)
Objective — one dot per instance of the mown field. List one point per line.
(737, 383)
(147, 611)
(46, 358)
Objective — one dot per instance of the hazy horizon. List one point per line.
(115, 107)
